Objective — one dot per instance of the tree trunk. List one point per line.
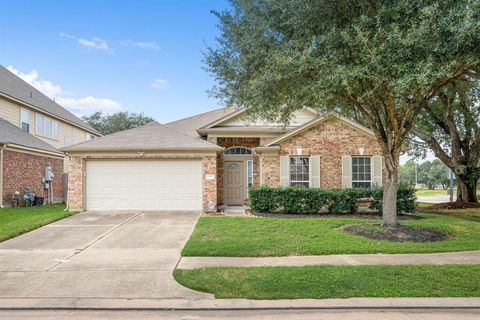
(467, 188)
(390, 189)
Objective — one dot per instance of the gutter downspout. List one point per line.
(68, 179)
(1, 174)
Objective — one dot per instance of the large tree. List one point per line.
(450, 127)
(386, 59)
(110, 123)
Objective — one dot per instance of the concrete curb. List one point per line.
(237, 304)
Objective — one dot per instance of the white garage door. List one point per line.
(144, 185)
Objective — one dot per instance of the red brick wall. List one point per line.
(330, 140)
(235, 142)
(21, 170)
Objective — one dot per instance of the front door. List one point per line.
(235, 190)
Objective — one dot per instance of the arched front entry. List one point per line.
(237, 175)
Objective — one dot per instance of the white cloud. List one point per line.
(90, 104)
(79, 106)
(160, 84)
(139, 44)
(66, 35)
(95, 43)
(45, 86)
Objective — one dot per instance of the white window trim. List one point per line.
(238, 154)
(371, 174)
(40, 130)
(249, 173)
(291, 182)
(22, 118)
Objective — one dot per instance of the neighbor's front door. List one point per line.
(235, 190)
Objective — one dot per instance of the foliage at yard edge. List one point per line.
(16, 221)
(252, 237)
(334, 281)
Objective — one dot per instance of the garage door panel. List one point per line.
(144, 184)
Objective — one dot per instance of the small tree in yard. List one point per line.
(385, 59)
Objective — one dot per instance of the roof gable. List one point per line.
(238, 120)
(191, 124)
(15, 88)
(153, 136)
(317, 121)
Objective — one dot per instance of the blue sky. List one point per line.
(140, 56)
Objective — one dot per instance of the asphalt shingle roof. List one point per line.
(12, 86)
(191, 124)
(12, 134)
(153, 136)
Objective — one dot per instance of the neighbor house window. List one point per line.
(237, 151)
(25, 119)
(250, 173)
(299, 171)
(361, 172)
(46, 126)
(89, 136)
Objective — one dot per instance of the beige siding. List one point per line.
(10, 111)
(299, 117)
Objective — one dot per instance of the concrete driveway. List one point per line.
(99, 255)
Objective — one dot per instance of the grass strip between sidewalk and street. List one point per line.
(17, 221)
(321, 282)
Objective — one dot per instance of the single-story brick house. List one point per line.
(210, 160)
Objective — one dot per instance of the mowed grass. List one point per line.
(320, 282)
(434, 192)
(253, 237)
(16, 221)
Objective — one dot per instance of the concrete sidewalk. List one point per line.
(466, 257)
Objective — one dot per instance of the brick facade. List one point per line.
(76, 181)
(236, 142)
(21, 170)
(330, 140)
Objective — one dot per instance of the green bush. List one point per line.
(311, 200)
(405, 198)
(264, 199)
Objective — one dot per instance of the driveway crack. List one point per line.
(103, 235)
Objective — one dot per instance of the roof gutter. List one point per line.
(1, 172)
(107, 149)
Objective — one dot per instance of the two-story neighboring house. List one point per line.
(32, 129)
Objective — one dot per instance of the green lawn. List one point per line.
(244, 236)
(334, 281)
(15, 221)
(435, 192)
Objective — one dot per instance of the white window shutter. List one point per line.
(315, 171)
(284, 171)
(377, 168)
(346, 171)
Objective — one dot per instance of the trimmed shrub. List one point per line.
(405, 199)
(264, 199)
(300, 199)
(311, 200)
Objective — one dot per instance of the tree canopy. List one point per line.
(450, 127)
(111, 123)
(386, 59)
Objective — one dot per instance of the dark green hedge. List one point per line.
(311, 200)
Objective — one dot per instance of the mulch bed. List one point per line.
(399, 233)
(453, 205)
(329, 215)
